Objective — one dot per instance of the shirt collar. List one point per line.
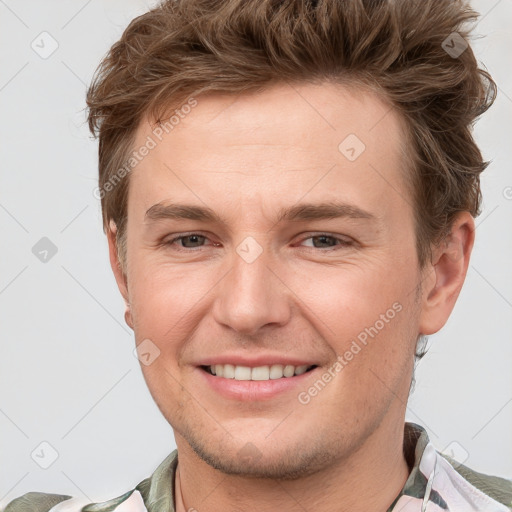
(158, 490)
(415, 441)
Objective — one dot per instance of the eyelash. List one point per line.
(342, 243)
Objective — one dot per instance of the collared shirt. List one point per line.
(436, 483)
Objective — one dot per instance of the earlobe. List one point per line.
(117, 270)
(128, 315)
(447, 274)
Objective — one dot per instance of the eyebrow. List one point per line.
(297, 213)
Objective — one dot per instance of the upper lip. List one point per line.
(255, 361)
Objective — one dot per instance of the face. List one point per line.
(297, 248)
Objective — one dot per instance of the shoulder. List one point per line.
(154, 489)
(35, 502)
(497, 488)
(130, 501)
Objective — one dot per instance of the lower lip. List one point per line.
(251, 390)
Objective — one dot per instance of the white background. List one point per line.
(67, 372)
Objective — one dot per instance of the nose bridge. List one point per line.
(251, 296)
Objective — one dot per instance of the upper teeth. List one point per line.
(276, 371)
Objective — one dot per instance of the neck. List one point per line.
(369, 479)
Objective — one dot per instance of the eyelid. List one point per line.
(340, 238)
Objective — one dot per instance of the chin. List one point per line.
(281, 458)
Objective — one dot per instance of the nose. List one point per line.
(252, 295)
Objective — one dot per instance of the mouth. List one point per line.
(257, 373)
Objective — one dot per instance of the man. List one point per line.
(288, 190)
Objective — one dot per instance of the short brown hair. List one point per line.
(399, 48)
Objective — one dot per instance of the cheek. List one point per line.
(163, 382)
(352, 297)
(376, 366)
(369, 318)
(169, 303)
(163, 294)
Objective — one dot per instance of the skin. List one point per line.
(247, 157)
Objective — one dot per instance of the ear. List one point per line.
(121, 279)
(447, 273)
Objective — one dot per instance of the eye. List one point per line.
(324, 240)
(188, 241)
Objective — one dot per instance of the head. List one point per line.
(233, 123)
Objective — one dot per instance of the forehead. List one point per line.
(287, 140)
